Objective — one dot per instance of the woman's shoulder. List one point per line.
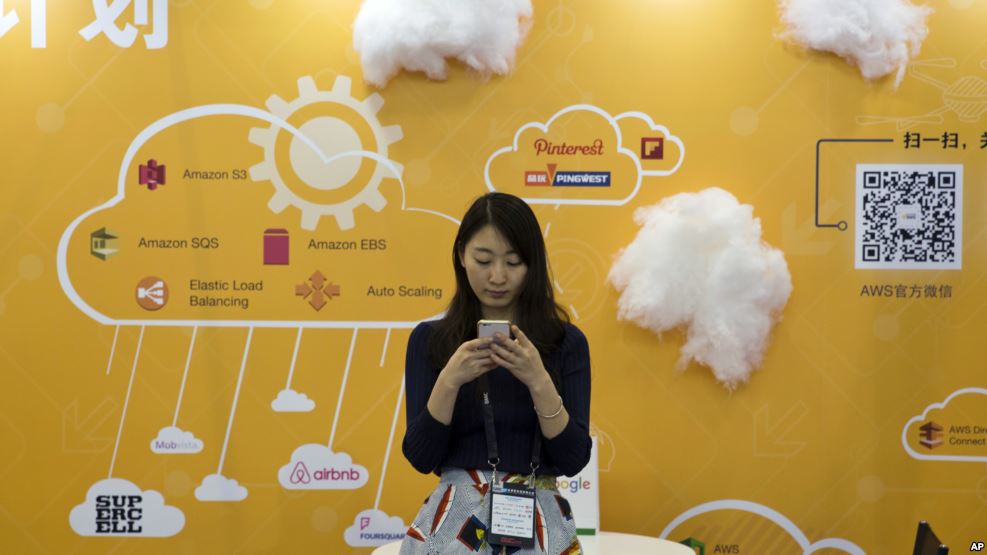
(425, 326)
(421, 332)
(573, 337)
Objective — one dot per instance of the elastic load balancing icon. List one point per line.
(152, 293)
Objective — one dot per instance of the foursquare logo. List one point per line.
(553, 178)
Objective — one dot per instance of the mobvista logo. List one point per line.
(573, 485)
(170, 445)
(301, 475)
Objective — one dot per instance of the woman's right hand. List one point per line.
(470, 361)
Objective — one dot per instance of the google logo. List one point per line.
(573, 485)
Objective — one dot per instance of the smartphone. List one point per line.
(487, 328)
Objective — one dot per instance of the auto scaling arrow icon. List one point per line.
(317, 291)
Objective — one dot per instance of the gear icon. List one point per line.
(334, 136)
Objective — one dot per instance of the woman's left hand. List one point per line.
(519, 356)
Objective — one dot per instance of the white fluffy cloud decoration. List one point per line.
(418, 35)
(698, 261)
(879, 36)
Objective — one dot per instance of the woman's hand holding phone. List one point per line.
(520, 357)
(470, 361)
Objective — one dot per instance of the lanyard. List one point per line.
(493, 455)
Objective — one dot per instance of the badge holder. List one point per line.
(512, 506)
(512, 516)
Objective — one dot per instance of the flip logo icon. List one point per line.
(652, 148)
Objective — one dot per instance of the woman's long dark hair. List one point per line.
(536, 312)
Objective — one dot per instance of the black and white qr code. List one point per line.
(909, 216)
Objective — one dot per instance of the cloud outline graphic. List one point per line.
(289, 400)
(316, 455)
(216, 487)
(544, 127)
(173, 433)
(774, 516)
(939, 406)
(352, 532)
(208, 110)
(168, 523)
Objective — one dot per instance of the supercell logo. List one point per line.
(553, 178)
(119, 514)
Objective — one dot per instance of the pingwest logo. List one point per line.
(553, 178)
(301, 475)
(930, 435)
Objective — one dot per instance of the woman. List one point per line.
(538, 385)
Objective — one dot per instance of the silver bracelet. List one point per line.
(554, 414)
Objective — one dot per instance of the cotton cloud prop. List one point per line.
(878, 36)
(418, 35)
(699, 261)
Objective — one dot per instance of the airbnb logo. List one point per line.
(301, 475)
(333, 475)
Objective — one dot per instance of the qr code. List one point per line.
(909, 216)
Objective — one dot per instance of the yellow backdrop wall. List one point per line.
(209, 397)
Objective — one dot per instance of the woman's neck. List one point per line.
(498, 314)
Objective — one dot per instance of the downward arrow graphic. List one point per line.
(81, 435)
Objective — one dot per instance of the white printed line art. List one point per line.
(115, 507)
(965, 97)
(216, 487)
(314, 466)
(615, 126)
(172, 440)
(373, 527)
(808, 547)
(289, 400)
(113, 349)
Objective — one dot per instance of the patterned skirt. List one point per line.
(454, 518)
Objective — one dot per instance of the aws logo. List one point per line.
(700, 547)
(553, 178)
